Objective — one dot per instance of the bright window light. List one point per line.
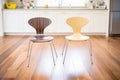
(61, 3)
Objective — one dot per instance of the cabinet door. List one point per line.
(18, 21)
(100, 22)
(1, 26)
(63, 27)
(58, 24)
(26, 17)
(10, 22)
(54, 26)
(29, 15)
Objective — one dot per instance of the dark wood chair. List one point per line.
(39, 24)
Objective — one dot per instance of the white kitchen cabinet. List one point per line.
(26, 27)
(16, 21)
(11, 22)
(1, 24)
(100, 22)
(62, 21)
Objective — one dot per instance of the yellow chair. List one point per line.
(76, 23)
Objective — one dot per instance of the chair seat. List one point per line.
(77, 37)
(41, 38)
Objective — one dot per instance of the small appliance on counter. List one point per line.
(97, 4)
(27, 4)
(10, 5)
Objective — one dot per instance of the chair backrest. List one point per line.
(39, 24)
(76, 23)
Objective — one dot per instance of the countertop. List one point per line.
(59, 9)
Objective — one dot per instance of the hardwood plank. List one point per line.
(7, 43)
(13, 60)
(10, 50)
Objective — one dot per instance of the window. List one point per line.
(61, 3)
(73, 3)
(50, 3)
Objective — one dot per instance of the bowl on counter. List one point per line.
(10, 5)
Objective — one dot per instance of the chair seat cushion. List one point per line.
(77, 37)
(41, 38)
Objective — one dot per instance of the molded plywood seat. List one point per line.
(77, 37)
(76, 23)
(41, 38)
(39, 24)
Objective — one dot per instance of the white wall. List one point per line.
(1, 26)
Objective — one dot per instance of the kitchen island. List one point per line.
(16, 20)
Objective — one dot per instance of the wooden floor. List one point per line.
(106, 60)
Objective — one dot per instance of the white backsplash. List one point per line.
(95, 3)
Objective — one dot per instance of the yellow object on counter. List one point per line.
(10, 5)
(46, 6)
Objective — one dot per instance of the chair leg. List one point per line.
(64, 47)
(28, 49)
(29, 56)
(90, 50)
(52, 52)
(54, 48)
(65, 50)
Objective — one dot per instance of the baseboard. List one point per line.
(49, 33)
